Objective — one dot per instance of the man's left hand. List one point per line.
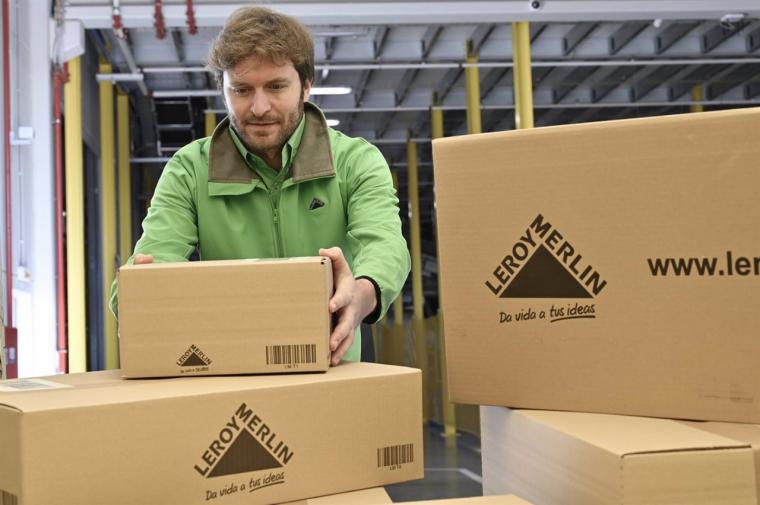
(353, 300)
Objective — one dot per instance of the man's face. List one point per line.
(264, 100)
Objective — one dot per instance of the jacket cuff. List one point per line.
(375, 314)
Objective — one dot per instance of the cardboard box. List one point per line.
(572, 458)
(746, 433)
(564, 254)
(94, 438)
(475, 500)
(374, 496)
(225, 317)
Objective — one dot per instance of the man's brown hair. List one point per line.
(261, 32)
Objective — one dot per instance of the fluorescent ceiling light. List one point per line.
(330, 90)
(316, 90)
(333, 122)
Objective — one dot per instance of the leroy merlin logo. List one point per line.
(244, 444)
(544, 264)
(193, 356)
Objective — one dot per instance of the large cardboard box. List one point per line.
(572, 458)
(225, 317)
(373, 496)
(94, 438)
(608, 267)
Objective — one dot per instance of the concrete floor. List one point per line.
(452, 470)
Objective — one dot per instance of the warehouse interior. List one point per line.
(99, 94)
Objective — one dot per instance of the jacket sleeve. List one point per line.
(374, 228)
(170, 230)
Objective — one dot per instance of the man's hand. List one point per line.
(353, 301)
(143, 259)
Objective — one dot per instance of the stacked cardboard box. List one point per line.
(225, 317)
(606, 268)
(97, 437)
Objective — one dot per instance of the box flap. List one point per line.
(228, 263)
(373, 496)
(625, 435)
(506, 499)
(107, 387)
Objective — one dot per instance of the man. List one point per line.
(274, 181)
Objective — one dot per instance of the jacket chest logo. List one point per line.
(316, 203)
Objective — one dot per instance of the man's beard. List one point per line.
(289, 124)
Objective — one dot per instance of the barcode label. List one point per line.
(8, 499)
(395, 455)
(291, 354)
(16, 385)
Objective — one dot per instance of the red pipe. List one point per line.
(159, 20)
(7, 141)
(192, 27)
(11, 335)
(60, 76)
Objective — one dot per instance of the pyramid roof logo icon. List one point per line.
(193, 356)
(544, 263)
(543, 276)
(245, 454)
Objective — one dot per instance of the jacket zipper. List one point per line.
(278, 247)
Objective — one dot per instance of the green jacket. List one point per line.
(335, 191)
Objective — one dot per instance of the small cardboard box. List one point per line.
(608, 267)
(374, 496)
(94, 438)
(572, 458)
(225, 317)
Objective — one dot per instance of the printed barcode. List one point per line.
(8, 499)
(291, 354)
(395, 455)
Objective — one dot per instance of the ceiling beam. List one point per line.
(659, 76)
(718, 34)
(699, 75)
(753, 40)
(429, 38)
(752, 90)
(489, 81)
(624, 35)
(404, 85)
(733, 77)
(98, 14)
(612, 81)
(572, 81)
(577, 34)
(379, 40)
(447, 82)
(671, 34)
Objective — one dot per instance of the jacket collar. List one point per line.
(313, 159)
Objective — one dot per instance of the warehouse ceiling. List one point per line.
(592, 60)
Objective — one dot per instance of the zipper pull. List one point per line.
(276, 216)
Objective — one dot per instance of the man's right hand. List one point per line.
(143, 259)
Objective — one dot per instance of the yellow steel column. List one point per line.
(210, 123)
(75, 258)
(418, 299)
(398, 303)
(108, 214)
(472, 91)
(449, 411)
(125, 178)
(697, 95)
(523, 75)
